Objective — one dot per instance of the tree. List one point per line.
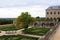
(37, 18)
(24, 20)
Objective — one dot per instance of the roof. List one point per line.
(54, 7)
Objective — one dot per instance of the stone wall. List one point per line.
(46, 24)
(50, 33)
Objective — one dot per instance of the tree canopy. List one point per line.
(24, 20)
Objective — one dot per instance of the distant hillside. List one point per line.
(6, 21)
(8, 18)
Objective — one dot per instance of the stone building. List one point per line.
(53, 12)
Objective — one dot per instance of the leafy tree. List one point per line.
(24, 20)
(38, 18)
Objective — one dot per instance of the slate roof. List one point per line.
(54, 7)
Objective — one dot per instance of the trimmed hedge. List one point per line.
(17, 37)
(9, 28)
(36, 31)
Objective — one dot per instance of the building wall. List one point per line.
(52, 13)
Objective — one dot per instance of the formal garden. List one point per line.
(23, 22)
(17, 37)
(9, 28)
(36, 31)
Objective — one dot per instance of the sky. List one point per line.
(13, 8)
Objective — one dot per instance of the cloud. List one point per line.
(23, 3)
(12, 3)
(35, 10)
(13, 8)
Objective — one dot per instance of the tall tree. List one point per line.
(24, 20)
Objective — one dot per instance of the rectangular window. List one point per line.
(47, 12)
(54, 12)
(50, 12)
(58, 12)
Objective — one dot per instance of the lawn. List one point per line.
(9, 28)
(36, 31)
(17, 37)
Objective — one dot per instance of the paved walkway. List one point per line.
(56, 36)
(32, 35)
(20, 33)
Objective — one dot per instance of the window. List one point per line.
(54, 12)
(54, 18)
(47, 12)
(51, 18)
(50, 12)
(58, 12)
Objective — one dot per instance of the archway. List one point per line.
(58, 19)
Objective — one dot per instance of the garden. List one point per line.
(36, 31)
(23, 21)
(17, 37)
(9, 28)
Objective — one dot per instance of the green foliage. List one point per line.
(17, 37)
(36, 31)
(44, 19)
(5, 21)
(24, 20)
(9, 28)
(38, 18)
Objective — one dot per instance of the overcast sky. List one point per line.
(13, 8)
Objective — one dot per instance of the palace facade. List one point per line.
(53, 12)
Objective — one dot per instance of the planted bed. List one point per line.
(36, 31)
(17, 37)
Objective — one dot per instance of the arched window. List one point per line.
(51, 24)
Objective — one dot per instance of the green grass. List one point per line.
(17, 37)
(36, 31)
(9, 28)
